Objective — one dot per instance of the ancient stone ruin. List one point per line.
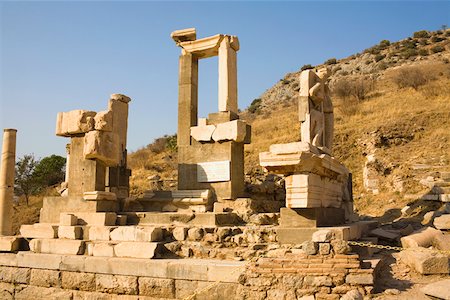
(200, 241)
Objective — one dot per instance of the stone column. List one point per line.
(67, 162)
(7, 180)
(187, 97)
(227, 77)
(118, 104)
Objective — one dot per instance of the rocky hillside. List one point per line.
(392, 120)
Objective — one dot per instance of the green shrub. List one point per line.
(423, 52)
(331, 61)
(437, 39)
(374, 50)
(437, 49)
(421, 34)
(379, 57)
(384, 44)
(306, 67)
(409, 53)
(409, 44)
(255, 106)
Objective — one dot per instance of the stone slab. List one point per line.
(10, 243)
(57, 246)
(67, 220)
(100, 233)
(425, 261)
(208, 219)
(214, 171)
(99, 195)
(442, 222)
(137, 234)
(138, 249)
(96, 219)
(438, 290)
(70, 232)
(54, 206)
(203, 269)
(311, 217)
(102, 146)
(39, 230)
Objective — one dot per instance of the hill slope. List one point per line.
(378, 110)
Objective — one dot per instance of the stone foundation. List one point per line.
(326, 274)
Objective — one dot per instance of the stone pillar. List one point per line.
(187, 97)
(7, 180)
(227, 77)
(67, 162)
(118, 104)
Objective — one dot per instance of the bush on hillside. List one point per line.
(408, 53)
(167, 142)
(379, 57)
(358, 89)
(306, 67)
(437, 49)
(331, 61)
(423, 52)
(255, 106)
(437, 39)
(421, 34)
(384, 44)
(410, 77)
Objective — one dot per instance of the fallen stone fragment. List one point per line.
(438, 290)
(385, 235)
(421, 238)
(424, 261)
(442, 222)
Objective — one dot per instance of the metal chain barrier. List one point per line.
(369, 245)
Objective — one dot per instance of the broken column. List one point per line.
(210, 151)
(7, 180)
(318, 186)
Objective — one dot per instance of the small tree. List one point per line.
(25, 182)
(50, 171)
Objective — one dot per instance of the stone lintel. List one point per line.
(184, 35)
(203, 48)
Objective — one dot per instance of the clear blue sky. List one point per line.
(60, 56)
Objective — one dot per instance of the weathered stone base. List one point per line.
(47, 276)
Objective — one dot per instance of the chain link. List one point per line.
(369, 245)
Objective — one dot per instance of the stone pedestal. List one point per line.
(317, 185)
(7, 180)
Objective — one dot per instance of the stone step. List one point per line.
(125, 249)
(10, 243)
(297, 235)
(39, 230)
(70, 232)
(95, 218)
(126, 233)
(54, 206)
(57, 246)
(209, 219)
